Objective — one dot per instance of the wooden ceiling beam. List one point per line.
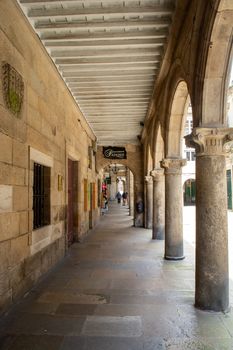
(51, 13)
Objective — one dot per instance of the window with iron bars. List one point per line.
(41, 196)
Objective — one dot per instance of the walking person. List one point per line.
(118, 196)
(124, 196)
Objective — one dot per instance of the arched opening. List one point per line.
(117, 187)
(188, 171)
(188, 179)
(158, 148)
(229, 99)
(176, 123)
(158, 227)
(218, 67)
(172, 165)
(189, 191)
(148, 185)
(149, 160)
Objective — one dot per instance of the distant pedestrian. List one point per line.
(125, 196)
(118, 196)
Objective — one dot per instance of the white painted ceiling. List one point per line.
(108, 53)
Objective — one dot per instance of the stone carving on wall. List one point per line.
(13, 88)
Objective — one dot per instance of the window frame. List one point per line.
(41, 196)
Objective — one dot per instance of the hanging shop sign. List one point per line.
(114, 152)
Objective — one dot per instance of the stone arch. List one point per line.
(106, 162)
(217, 68)
(175, 124)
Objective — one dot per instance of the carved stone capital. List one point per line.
(173, 165)
(157, 174)
(210, 141)
(148, 179)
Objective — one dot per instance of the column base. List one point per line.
(174, 258)
(214, 309)
(157, 238)
(158, 232)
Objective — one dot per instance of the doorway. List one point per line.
(90, 201)
(72, 201)
(229, 190)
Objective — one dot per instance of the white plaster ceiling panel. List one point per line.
(108, 53)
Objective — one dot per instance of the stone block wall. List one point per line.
(49, 129)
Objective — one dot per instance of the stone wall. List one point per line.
(49, 129)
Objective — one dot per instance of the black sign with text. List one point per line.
(114, 152)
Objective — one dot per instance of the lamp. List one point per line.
(115, 169)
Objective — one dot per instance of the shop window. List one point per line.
(41, 196)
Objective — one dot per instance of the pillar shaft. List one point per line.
(173, 209)
(158, 204)
(131, 194)
(149, 201)
(212, 280)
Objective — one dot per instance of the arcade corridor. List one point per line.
(94, 99)
(115, 291)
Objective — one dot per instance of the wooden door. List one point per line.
(229, 190)
(90, 205)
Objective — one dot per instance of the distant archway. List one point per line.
(116, 180)
(189, 190)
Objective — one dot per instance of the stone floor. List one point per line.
(116, 292)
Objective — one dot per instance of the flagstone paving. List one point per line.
(116, 292)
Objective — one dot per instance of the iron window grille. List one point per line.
(41, 196)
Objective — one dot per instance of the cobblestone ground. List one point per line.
(116, 292)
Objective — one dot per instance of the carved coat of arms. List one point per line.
(13, 88)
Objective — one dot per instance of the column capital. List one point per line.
(148, 179)
(173, 165)
(210, 141)
(157, 174)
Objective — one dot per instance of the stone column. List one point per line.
(149, 201)
(173, 208)
(212, 279)
(131, 194)
(158, 204)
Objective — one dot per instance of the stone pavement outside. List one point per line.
(116, 292)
